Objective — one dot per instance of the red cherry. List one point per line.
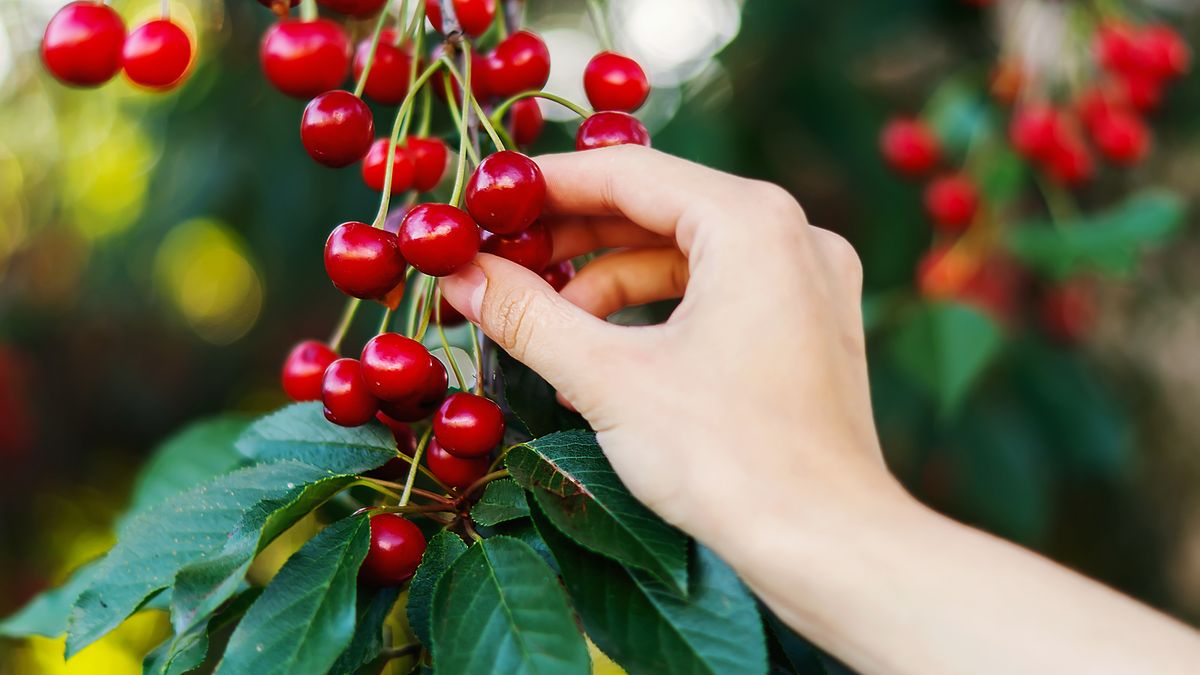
(521, 62)
(429, 162)
(1035, 131)
(1141, 90)
(437, 239)
(525, 121)
(157, 54)
(82, 44)
(402, 433)
(337, 128)
(456, 472)
(305, 58)
(1164, 53)
(374, 167)
(448, 315)
(1115, 44)
(425, 402)
(603, 129)
(347, 401)
(396, 367)
(355, 8)
(387, 82)
(952, 202)
(363, 261)
(558, 275)
(530, 248)
(396, 549)
(468, 425)
(1068, 312)
(304, 370)
(506, 192)
(1122, 137)
(909, 147)
(474, 16)
(1069, 162)
(615, 82)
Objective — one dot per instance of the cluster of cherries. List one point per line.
(85, 45)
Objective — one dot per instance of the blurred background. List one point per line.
(160, 253)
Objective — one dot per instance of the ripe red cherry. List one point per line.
(429, 162)
(615, 82)
(1122, 137)
(356, 8)
(304, 370)
(363, 261)
(82, 44)
(1141, 90)
(525, 121)
(1116, 46)
(468, 425)
(456, 472)
(344, 392)
(1163, 52)
(530, 248)
(474, 16)
(157, 54)
(396, 367)
(387, 82)
(374, 167)
(1069, 162)
(337, 128)
(521, 62)
(305, 58)
(952, 202)
(1035, 131)
(437, 239)
(558, 275)
(396, 549)
(909, 147)
(425, 402)
(610, 128)
(506, 192)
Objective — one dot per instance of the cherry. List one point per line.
(396, 367)
(950, 271)
(82, 44)
(474, 16)
(479, 78)
(530, 248)
(395, 553)
(456, 472)
(1164, 54)
(304, 369)
(437, 239)
(387, 82)
(909, 147)
(402, 433)
(1068, 312)
(423, 403)
(344, 392)
(520, 62)
(1116, 46)
(468, 426)
(374, 167)
(603, 129)
(1142, 91)
(525, 121)
(1121, 136)
(506, 192)
(337, 128)
(1035, 131)
(305, 58)
(952, 201)
(429, 162)
(363, 261)
(1069, 162)
(558, 275)
(355, 8)
(157, 54)
(615, 82)
(448, 315)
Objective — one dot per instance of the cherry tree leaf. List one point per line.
(443, 549)
(300, 432)
(502, 501)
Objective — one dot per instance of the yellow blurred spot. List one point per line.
(118, 653)
(601, 664)
(105, 190)
(269, 561)
(203, 270)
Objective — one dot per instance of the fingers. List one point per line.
(627, 278)
(575, 236)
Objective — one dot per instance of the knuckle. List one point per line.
(843, 257)
(512, 323)
(775, 199)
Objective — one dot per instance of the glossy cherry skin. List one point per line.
(604, 129)
(425, 402)
(909, 147)
(82, 44)
(363, 261)
(559, 275)
(396, 549)
(429, 162)
(1121, 136)
(337, 128)
(157, 54)
(525, 121)
(1035, 131)
(374, 167)
(474, 16)
(952, 202)
(304, 370)
(396, 367)
(456, 472)
(355, 8)
(506, 192)
(347, 401)
(305, 58)
(437, 239)
(387, 82)
(468, 426)
(530, 248)
(521, 62)
(615, 82)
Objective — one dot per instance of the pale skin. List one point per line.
(757, 387)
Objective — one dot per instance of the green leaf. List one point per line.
(301, 432)
(444, 548)
(714, 629)
(367, 643)
(946, 347)
(502, 500)
(187, 652)
(46, 615)
(500, 609)
(305, 618)
(201, 452)
(532, 400)
(788, 652)
(581, 494)
(1110, 242)
(155, 545)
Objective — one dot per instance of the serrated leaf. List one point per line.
(946, 347)
(184, 653)
(443, 549)
(201, 452)
(502, 501)
(716, 629)
(532, 400)
(305, 618)
(581, 494)
(500, 610)
(300, 432)
(374, 605)
(46, 615)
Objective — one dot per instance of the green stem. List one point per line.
(414, 306)
(426, 113)
(495, 475)
(485, 122)
(462, 382)
(412, 469)
(339, 333)
(600, 22)
(397, 128)
(456, 116)
(498, 113)
(362, 79)
(427, 314)
(478, 356)
(387, 318)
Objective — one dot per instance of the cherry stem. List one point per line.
(339, 333)
(600, 22)
(423, 470)
(387, 318)
(427, 313)
(166, 9)
(495, 475)
(456, 116)
(414, 306)
(397, 127)
(308, 10)
(462, 383)
(475, 354)
(483, 118)
(442, 499)
(500, 458)
(498, 113)
(412, 468)
(362, 79)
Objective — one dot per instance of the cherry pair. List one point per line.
(911, 149)
(418, 164)
(396, 376)
(1053, 140)
(85, 45)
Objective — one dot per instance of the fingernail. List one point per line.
(464, 289)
